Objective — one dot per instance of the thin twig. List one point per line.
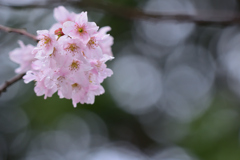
(19, 31)
(9, 82)
(202, 18)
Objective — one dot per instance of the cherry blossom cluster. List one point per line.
(69, 58)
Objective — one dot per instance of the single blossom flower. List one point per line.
(100, 68)
(72, 47)
(105, 40)
(93, 49)
(47, 42)
(23, 56)
(80, 28)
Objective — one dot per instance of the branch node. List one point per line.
(4, 86)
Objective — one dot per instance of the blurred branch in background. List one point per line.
(203, 18)
(19, 31)
(8, 83)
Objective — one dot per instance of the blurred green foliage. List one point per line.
(212, 136)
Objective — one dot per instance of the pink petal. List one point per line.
(30, 76)
(81, 18)
(69, 28)
(61, 14)
(91, 28)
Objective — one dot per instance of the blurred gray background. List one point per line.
(174, 94)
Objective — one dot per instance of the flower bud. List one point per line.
(59, 32)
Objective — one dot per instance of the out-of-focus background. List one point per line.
(174, 95)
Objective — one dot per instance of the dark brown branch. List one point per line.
(8, 83)
(203, 18)
(19, 31)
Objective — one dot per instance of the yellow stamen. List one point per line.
(80, 30)
(53, 53)
(46, 40)
(60, 78)
(92, 43)
(98, 65)
(74, 66)
(76, 86)
(72, 47)
(90, 77)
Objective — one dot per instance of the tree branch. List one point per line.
(203, 18)
(9, 82)
(19, 31)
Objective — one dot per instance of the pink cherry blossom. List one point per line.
(72, 47)
(47, 41)
(80, 28)
(62, 15)
(93, 49)
(100, 68)
(23, 56)
(69, 59)
(105, 40)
